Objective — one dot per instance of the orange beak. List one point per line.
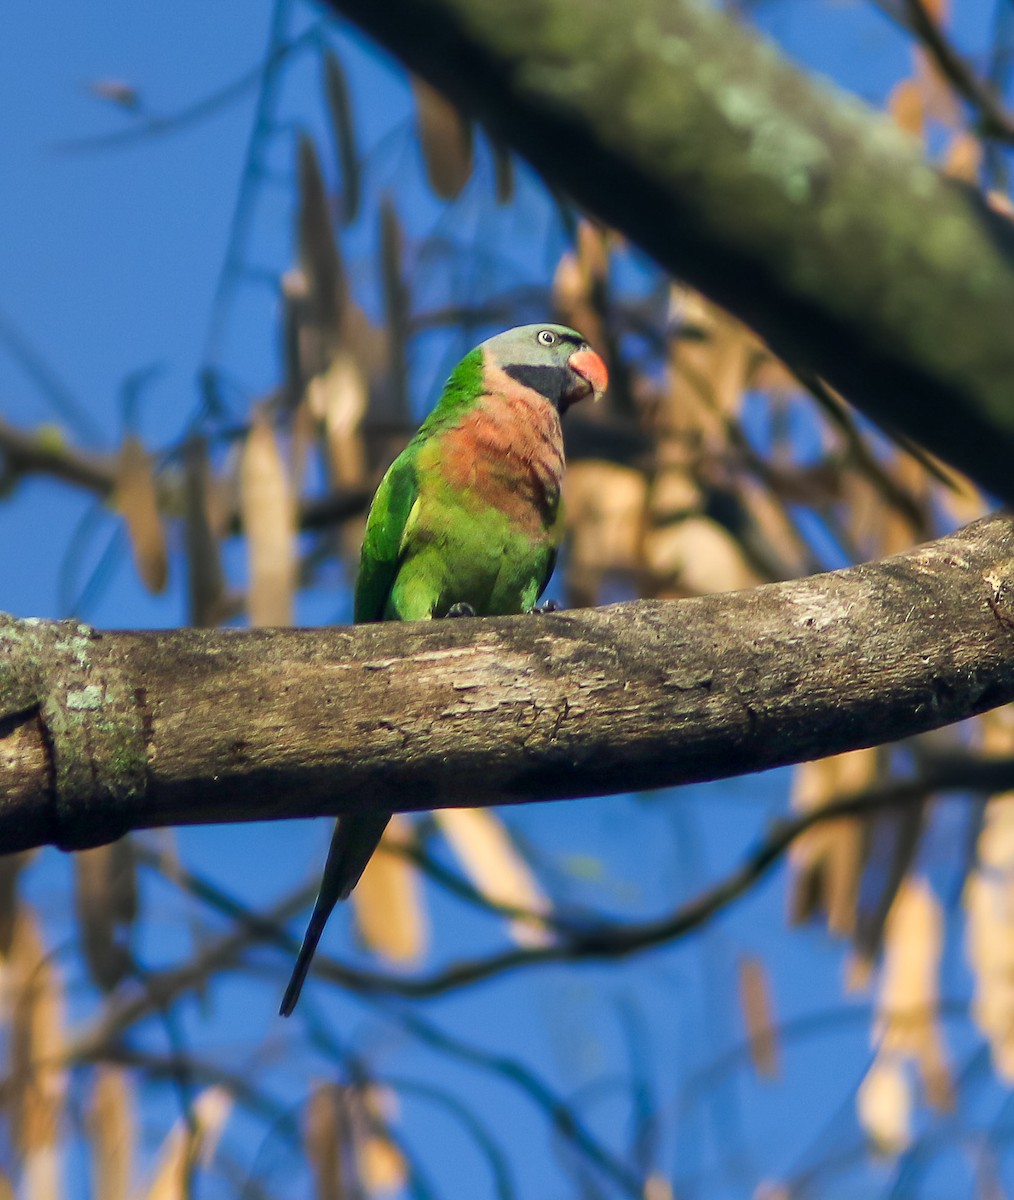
(592, 378)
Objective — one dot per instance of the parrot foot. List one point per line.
(547, 606)
(461, 609)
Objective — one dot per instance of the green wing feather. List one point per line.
(383, 542)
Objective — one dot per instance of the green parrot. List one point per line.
(466, 522)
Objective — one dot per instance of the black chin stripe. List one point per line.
(547, 381)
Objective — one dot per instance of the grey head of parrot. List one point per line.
(553, 360)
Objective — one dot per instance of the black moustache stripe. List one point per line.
(547, 381)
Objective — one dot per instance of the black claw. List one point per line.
(461, 609)
(547, 606)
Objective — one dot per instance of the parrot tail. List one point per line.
(352, 845)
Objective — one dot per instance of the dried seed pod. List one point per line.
(388, 903)
(339, 108)
(445, 137)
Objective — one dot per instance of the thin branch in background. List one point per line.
(179, 1065)
(800, 1181)
(74, 598)
(606, 940)
(503, 1178)
(993, 119)
(31, 452)
(558, 1112)
(57, 394)
(260, 130)
(998, 73)
(192, 114)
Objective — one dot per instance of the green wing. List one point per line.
(382, 545)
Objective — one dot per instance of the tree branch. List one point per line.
(811, 218)
(105, 732)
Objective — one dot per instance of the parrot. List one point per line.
(466, 522)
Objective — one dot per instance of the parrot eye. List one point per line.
(547, 337)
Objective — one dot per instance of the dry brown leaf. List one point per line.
(136, 499)
(105, 897)
(319, 258)
(884, 1106)
(487, 854)
(962, 502)
(1000, 203)
(205, 579)
(571, 297)
(115, 91)
(896, 531)
(11, 866)
(580, 281)
(775, 526)
(445, 137)
(372, 343)
(37, 1083)
(908, 992)
(268, 513)
(989, 909)
(112, 1132)
(381, 1165)
(338, 398)
(771, 1189)
(905, 106)
(592, 252)
(388, 901)
(939, 100)
(758, 1016)
(710, 363)
(900, 830)
(302, 438)
(605, 507)
(302, 351)
(995, 731)
(695, 557)
(339, 108)
(189, 1145)
(862, 507)
(828, 859)
(326, 1137)
(657, 1187)
(907, 1024)
(963, 157)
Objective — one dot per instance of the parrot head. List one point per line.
(554, 360)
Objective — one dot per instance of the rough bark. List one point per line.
(104, 732)
(802, 211)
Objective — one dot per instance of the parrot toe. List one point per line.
(461, 609)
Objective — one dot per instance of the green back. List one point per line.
(385, 526)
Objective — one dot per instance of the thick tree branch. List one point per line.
(105, 732)
(807, 215)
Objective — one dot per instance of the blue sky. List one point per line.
(110, 264)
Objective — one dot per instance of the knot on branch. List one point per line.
(92, 721)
